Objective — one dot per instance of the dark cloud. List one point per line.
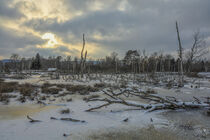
(143, 24)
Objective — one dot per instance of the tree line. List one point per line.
(134, 61)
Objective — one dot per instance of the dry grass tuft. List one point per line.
(7, 87)
(81, 89)
(51, 90)
(65, 111)
(100, 85)
(26, 89)
(5, 97)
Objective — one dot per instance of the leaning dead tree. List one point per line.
(158, 103)
(180, 54)
(83, 57)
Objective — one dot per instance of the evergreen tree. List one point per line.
(36, 63)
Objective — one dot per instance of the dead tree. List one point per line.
(160, 103)
(180, 54)
(83, 58)
(198, 50)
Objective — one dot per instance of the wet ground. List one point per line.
(10, 112)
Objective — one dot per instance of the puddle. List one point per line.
(13, 112)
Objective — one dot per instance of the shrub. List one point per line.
(26, 89)
(22, 99)
(7, 87)
(100, 85)
(82, 89)
(65, 111)
(51, 90)
(69, 100)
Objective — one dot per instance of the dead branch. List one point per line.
(72, 120)
(68, 119)
(162, 103)
(32, 120)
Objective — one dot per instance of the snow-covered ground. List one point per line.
(14, 124)
(20, 127)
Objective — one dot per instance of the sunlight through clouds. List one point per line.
(109, 25)
(51, 39)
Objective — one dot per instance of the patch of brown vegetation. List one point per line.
(100, 85)
(48, 88)
(65, 111)
(81, 89)
(51, 90)
(7, 87)
(5, 97)
(26, 89)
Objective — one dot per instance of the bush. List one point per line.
(82, 89)
(48, 88)
(65, 111)
(22, 99)
(100, 85)
(51, 90)
(193, 74)
(26, 89)
(7, 87)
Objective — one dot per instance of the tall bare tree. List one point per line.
(198, 50)
(180, 54)
(83, 57)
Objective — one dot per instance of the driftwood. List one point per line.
(32, 120)
(72, 120)
(160, 103)
(68, 119)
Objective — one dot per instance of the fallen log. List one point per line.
(162, 103)
(72, 120)
(68, 119)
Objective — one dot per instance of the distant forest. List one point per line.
(133, 62)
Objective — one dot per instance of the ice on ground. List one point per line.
(21, 128)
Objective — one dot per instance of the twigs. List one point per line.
(161, 103)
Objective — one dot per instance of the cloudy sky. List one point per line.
(55, 27)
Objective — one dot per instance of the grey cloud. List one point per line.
(146, 24)
(8, 12)
(59, 51)
(10, 42)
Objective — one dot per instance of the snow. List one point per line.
(204, 74)
(21, 128)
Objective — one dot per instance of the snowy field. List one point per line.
(52, 100)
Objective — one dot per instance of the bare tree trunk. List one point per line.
(82, 57)
(180, 53)
(116, 66)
